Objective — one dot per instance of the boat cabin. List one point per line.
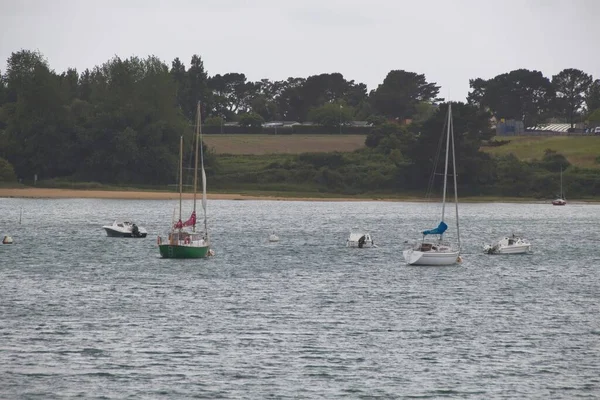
(183, 238)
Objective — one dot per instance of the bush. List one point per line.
(7, 171)
(251, 120)
(494, 143)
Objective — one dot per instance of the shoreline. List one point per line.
(49, 193)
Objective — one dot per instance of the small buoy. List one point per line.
(7, 240)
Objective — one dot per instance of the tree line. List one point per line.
(120, 122)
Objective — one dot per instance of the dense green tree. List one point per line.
(554, 161)
(520, 94)
(39, 134)
(400, 92)
(290, 104)
(178, 73)
(571, 85)
(594, 116)
(3, 92)
(213, 121)
(251, 120)
(332, 115)
(232, 94)
(7, 172)
(592, 97)
(471, 127)
(196, 89)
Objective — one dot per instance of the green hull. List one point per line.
(176, 251)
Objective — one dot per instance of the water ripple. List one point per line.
(86, 316)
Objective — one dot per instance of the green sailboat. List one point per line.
(184, 241)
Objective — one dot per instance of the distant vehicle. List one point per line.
(597, 130)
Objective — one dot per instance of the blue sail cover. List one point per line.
(437, 231)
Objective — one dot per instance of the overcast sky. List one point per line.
(450, 41)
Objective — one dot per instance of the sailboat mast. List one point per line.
(455, 185)
(562, 196)
(203, 175)
(180, 173)
(196, 159)
(446, 166)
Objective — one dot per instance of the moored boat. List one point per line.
(438, 252)
(508, 245)
(360, 240)
(125, 229)
(183, 240)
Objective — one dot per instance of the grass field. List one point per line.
(282, 144)
(581, 151)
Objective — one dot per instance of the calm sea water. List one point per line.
(87, 316)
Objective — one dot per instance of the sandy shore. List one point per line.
(40, 193)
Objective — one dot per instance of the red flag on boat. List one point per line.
(191, 221)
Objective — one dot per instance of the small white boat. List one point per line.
(508, 245)
(125, 229)
(273, 237)
(7, 240)
(360, 240)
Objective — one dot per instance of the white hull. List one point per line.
(513, 250)
(273, 238)
(354, 244)
(433, 258)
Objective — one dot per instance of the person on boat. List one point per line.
(361, 242)
(135, 231)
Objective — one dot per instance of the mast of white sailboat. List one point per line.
(196, 160)
(446, 166)
(455, 185)
(203, 174)
(180, 173)
(562, 195)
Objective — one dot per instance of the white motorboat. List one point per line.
(360, 240)
(508, 245)
(7, 240)
(438, 252)
(273, 237)
(125, 229)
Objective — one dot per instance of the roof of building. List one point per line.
(551, 127)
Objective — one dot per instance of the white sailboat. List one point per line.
(560, 201)
(438, 252)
